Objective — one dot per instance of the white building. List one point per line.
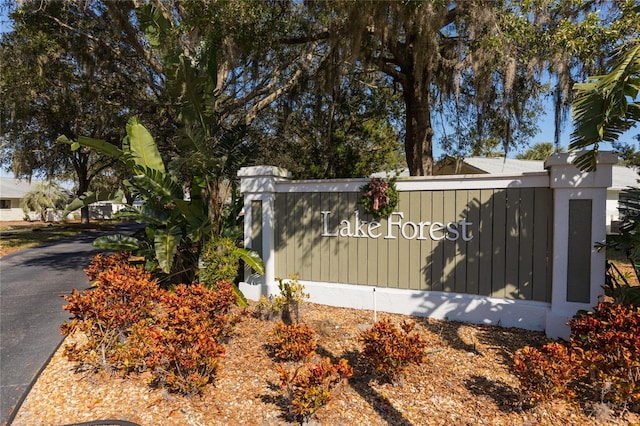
(11, 192)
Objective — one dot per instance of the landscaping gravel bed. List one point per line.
(465, 381)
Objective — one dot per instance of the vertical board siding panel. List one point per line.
(325, 244)
(363, 250)
(437, 254)
(404, 264)
(525, 276)
(426, 246)
(449, 264)
(512, 253)
(580, 243)
(315, 240)
(372, 276)
(498, 279)
(383, 252)
(460, 245)
(342, 259)
(308, 232)
(334, 245)
(550, 236)
(541, 241)
(472, 214)
(293, 222)
(415, 260)
(256, 227)
(280, 237)
(393, 257)
(352, 272)
(485, 236)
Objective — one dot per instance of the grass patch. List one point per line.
(21, 235)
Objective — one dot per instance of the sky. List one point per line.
(545, 134)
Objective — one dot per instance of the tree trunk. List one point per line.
(418, 141)
(83, 186)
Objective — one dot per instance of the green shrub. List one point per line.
(220, 261)
(292, 342)
(390, 349)
(309, 387)
(288, 301)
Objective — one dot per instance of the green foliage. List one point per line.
(176, 227)
(132, 325)
(540, 151)
(390, 349)
(45, 195)
(221, 259)
(309, 386)
(379, 197)
(288, 301)
(605, 106)
(292, 342)
(61, 83)
(627, 242)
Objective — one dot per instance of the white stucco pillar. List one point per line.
(579, 222)
(258, 183)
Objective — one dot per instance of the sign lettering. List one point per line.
(397, 226)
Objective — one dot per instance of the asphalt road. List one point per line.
(31, 284)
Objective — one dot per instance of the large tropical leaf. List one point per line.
(156, 183)
(195, 215)
(91, 197)
(142, 146)
(252, 259)
(117, 242)
(166, 243)
(605, 107)
(145, 214)
(100, 145)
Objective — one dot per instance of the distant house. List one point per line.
(622, 177)
(11, 192)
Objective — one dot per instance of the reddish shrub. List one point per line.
(547, 372)
(310, 386)
(292, 342)
(122, 296)
(608, 341)
(133, 325)
(391, 349)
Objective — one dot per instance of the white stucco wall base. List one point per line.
(524, 314)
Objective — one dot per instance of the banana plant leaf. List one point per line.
(252, 259)
(91, 197)
(100, 145)
(166, 243)
(142, 146)
(117, 242)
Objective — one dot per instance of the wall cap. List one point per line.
(605, 158)
(264, 171)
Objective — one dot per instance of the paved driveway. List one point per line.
(31, 283)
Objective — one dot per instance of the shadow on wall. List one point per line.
(509, 254)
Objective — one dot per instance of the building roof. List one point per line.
(14, 188)
(622, 177)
